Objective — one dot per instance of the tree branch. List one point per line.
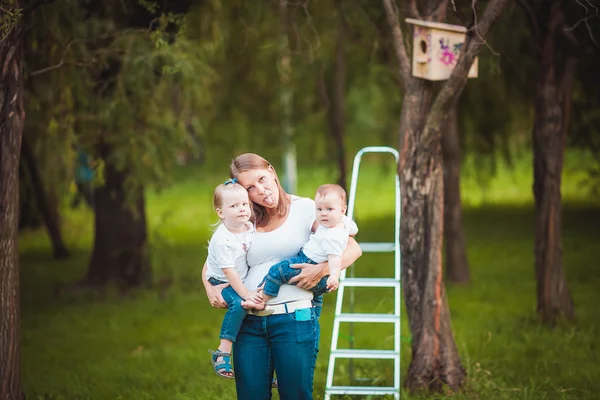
(585, 20)
(414, 10)
(532, 19)
(286, 22)
(33, 4)
(440, 11)
(458, 79)
(398, 40)
(56, 66)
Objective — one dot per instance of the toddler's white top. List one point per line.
(228, 250)
(326, 241)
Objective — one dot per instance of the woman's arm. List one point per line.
(312, 273)
(213, 292)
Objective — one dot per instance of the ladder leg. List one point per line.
(352, 317)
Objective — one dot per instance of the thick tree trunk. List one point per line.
(120, 251)
(435, 360)
(50, 216)
(288, 47)
(29, 215)
(552, 103)
(335, 112)
(12, 117)
(334, 107)
(457, 266)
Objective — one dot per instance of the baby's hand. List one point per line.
(254, 297)
(332, 283)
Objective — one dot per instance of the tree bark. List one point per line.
(457, 266)
(552, 104)
(120, 251)
(435, 360)
(336, 111)
(288, 48)
(12, 117)
(50, 216)
(334, 104)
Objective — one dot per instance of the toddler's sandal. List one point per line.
(223, 366)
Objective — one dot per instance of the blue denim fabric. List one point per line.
(281, 273)
(277, 342)
(235, 312)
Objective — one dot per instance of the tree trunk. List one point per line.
(120, 251)
(288, 47)
(334, 108)
(50, 216)
(29, 215)
(457, 267)
(335, 112)
(12, 117)
(552, 103)
(435, 360)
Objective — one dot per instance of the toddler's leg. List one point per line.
(321, 287)
(233, 317)
(221, 359)
(281, 273)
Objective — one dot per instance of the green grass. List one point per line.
(152, 344)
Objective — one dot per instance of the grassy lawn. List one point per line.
(152, 344)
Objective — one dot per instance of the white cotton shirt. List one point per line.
(326, 241)
(284, 242)
(226, 250)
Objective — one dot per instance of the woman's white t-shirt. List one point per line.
(284, 242)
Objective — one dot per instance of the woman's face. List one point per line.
(261, 186)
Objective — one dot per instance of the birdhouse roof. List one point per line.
(436, 25)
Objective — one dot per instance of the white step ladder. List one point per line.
(352, 282)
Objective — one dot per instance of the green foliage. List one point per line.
(207, 82)
(101, 83)
(152, 344)
(9, 18)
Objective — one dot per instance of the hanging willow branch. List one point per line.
(8, 20)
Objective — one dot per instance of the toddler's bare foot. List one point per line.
(252, 305)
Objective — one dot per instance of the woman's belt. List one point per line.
(283, 308)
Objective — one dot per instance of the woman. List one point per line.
(286, 340)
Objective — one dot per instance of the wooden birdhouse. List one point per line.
(436, 48)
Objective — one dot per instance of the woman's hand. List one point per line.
(214, 295)
(310, 275)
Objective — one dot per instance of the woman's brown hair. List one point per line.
(250, 161)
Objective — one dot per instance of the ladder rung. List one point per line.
(370, 282)
(378, 247)
(362, 353)
(364, 390)
(356, 317)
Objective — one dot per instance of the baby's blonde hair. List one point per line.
(324, 190)
(222, 190)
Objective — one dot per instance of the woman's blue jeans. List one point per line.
(278, 342)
